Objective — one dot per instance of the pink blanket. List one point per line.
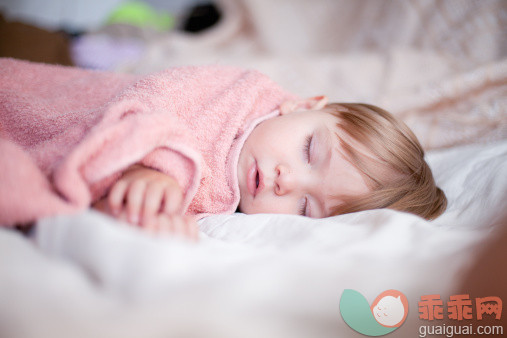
(66, 134)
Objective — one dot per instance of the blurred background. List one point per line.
(420, 59)
(85, 32)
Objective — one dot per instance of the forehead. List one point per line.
(318, 116)
(290, 126)
(303, 121)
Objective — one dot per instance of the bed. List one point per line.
(88, 275)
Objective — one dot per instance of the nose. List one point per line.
(285, 181)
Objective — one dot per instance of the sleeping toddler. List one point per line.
(163, 150)
(313, 159)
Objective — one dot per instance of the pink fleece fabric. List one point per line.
(67, 134)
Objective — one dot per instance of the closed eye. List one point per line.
(302, 207)
(307, 148)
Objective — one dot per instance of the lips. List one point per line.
(255, 180)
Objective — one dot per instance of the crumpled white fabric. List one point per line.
(264, 275)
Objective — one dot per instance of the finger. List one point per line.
(190, 230)
(171, 225)
(117, 196)
(163, 224)
(152, 202)
(193, 229)
(135, 197)
(155, 225)
(150, 224)
(122, 216)
(172, 200)
(178, 226)
(185, 227)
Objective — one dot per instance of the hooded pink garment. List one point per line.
(67, 134)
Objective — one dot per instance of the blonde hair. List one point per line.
(409, 185)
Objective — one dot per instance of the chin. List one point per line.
(247, 209)
(241, 207)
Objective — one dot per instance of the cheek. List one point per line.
(270, 204)
(271, 134)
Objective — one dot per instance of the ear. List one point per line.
(312, 103)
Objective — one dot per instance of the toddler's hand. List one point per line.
(179, 225)
(142, 194)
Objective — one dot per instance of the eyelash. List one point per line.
(306, 148)
(302, 208)
(306, 153)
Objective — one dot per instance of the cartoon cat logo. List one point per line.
(387, 312)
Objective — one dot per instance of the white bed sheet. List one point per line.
(257, 275)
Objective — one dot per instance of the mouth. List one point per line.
(255, 180)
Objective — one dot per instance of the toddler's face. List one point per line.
(293, 164)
